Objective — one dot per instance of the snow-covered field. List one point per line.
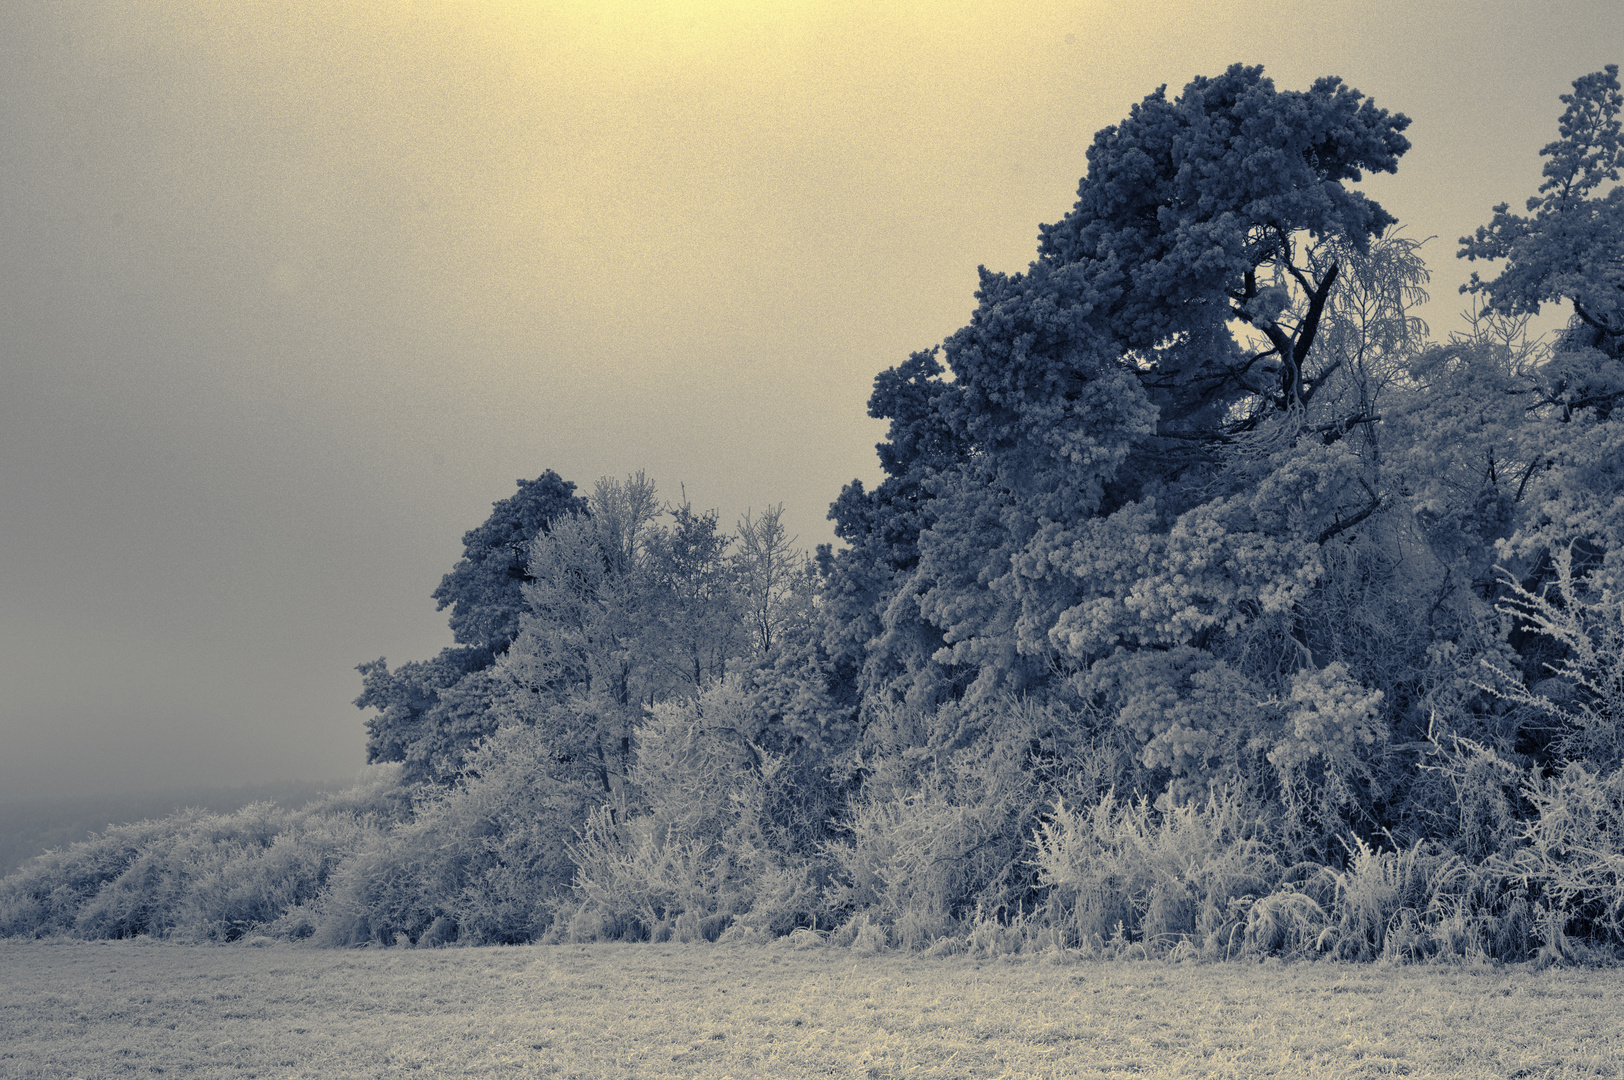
(114, 1009)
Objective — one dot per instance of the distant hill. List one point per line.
(31, 826)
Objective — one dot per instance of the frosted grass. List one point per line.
(136, 1008)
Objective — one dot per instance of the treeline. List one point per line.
(1207, 606)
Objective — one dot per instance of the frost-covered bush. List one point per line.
(1124, 870)
(47, 894)
(920, 854)
(936, 841)
(195, 875)
(388, 887)
(483, 861)
(1476, 797)
(1573, 852)
(692, 848)
(1577, 694)
(235, 887)
(1379, 892)
(1209, 880)
(1552, 885)
(1422, 902)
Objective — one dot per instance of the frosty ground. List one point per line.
(138, 1008)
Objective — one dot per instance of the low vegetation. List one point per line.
(1110, 878)
(200, 876)
(30, 826)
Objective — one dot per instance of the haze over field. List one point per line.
(288, 298)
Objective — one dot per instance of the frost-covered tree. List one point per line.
(1142, 444)
(1572, 247)
(698, 620)
(429, 712)
(584, 666)
(485, 589)
(774, 581)
(624, 612)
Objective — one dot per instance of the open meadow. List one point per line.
(140, 1008)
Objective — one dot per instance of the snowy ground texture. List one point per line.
(115, 1009)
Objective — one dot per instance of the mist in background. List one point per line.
(289, 297)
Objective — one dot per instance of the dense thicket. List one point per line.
(1206, 605)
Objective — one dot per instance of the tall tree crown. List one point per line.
(1091, 394)
(1572, 248)
(1184, 199)
(484, 589)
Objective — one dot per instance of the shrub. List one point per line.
(384, 889)
(482, 862)
(44, 896)
(196, 875)
(691, 849)
(939, 839)
(916, 858)
(148, 897)
(1573, 854)
(1186, 874)
(1580, 690)
(1381, 890)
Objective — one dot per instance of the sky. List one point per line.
(290, 294)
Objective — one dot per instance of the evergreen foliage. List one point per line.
(429, 712)
(1569, 249)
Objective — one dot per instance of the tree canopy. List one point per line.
(485, 589)
(1052, 499)
(1570, 248)
(429, 711)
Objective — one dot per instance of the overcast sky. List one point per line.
(291, 293)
